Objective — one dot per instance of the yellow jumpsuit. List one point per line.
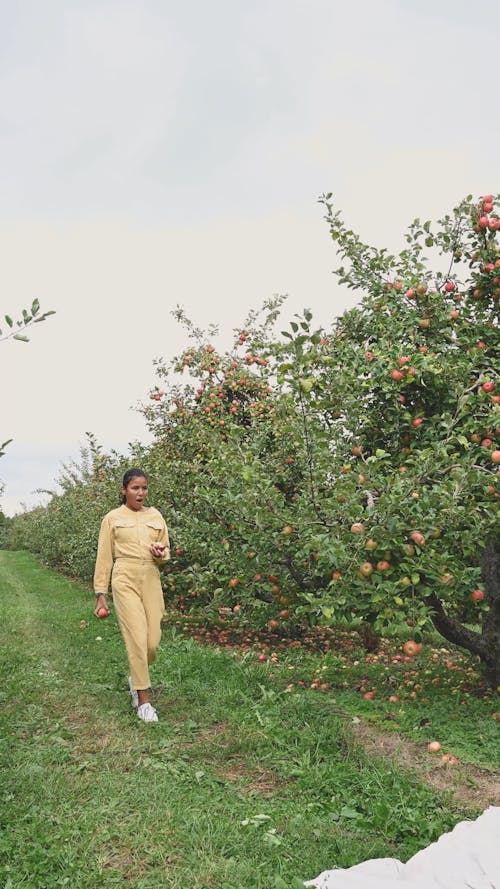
(123, 555)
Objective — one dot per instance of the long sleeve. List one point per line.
(164, 540)
(104, 559)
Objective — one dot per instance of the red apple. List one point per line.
(477, 595)
(103, 612)
(434, 747)
(448, 759)
(358, 528)
(365, 569)
(411, 648)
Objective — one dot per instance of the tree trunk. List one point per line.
(485, 644)
(491, 620)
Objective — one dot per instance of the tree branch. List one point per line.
(453, 630)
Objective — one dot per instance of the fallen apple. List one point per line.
(411, 648)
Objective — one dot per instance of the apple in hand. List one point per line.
(103, 612)
(157, 550)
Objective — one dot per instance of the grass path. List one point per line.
(240, 786)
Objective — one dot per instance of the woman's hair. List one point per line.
(134, 472)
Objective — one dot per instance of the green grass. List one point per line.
(440, 692)
(242, 785)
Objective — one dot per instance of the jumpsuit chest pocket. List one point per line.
(125, 532)
(153, 530)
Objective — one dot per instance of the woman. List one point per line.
(133, 542)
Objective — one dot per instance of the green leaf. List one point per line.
(271, 838)
(21, 338)
(9, 321)
(347, 812)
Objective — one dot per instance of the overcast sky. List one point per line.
(158, 152)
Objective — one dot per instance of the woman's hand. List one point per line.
(157, 550)
(101, 602)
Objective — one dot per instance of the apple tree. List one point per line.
(350, 474)
(414, 371)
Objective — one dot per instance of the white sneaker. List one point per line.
(147, 713)
(134, 697)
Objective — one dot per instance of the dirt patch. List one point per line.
(473, 787)
(235, 768)
(213, 731)
(262, 781)
(121, 860)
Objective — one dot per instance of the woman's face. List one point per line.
(136, 492)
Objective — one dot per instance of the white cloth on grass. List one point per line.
(466, 858)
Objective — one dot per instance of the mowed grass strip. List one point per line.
(240, 784)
